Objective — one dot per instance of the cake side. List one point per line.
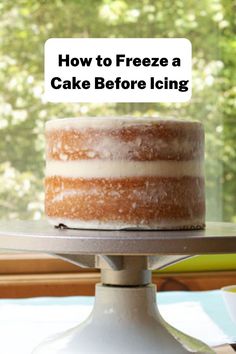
(147, 175)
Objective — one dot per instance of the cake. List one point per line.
(121, 173)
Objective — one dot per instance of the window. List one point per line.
(26, 25)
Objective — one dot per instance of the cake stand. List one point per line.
(125, 318)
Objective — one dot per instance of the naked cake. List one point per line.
(116, 173)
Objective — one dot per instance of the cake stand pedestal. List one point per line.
(125, 317)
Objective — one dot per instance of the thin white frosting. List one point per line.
(123, 168)
(109, 122)
(167, 224)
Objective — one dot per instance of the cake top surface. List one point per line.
(116, 122)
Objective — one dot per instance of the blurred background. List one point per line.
(24, 27)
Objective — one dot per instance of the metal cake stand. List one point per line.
(125, 318)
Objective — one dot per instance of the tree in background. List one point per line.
(24, 27)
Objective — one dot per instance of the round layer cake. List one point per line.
(117, 173)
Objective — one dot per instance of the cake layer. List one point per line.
(124, 139)
(115, 169)
(137, 201)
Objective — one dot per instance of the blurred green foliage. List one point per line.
(24, 27)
